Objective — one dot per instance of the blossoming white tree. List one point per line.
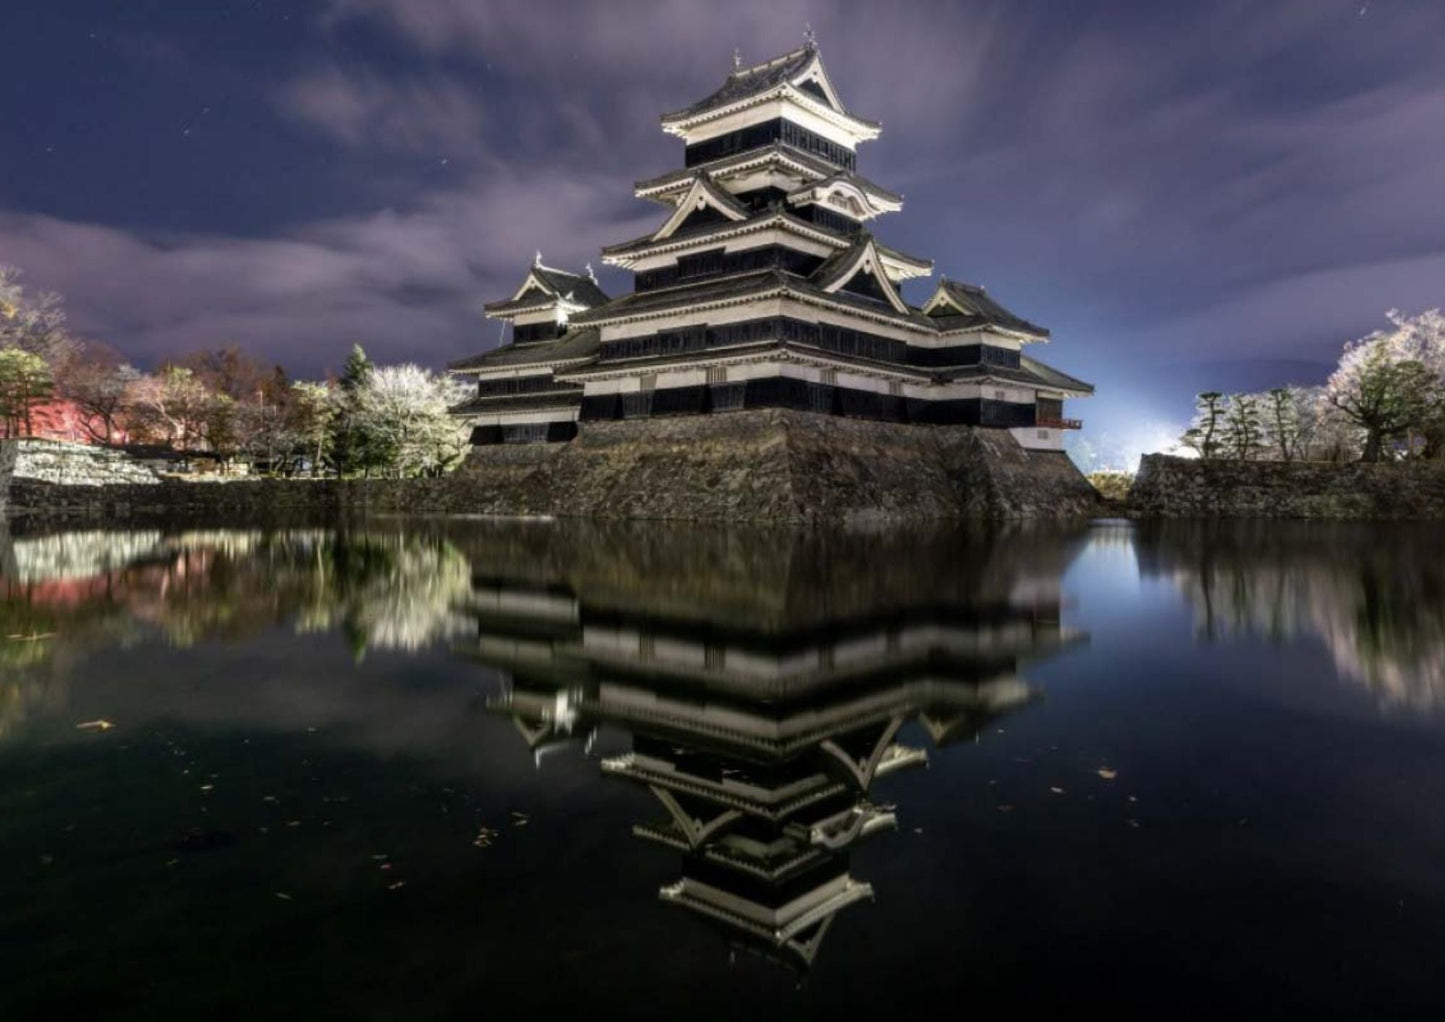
(1391, 383)
(406, 409)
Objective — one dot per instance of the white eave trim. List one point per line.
(534, 281)
(857, 130)
(906, 267)
(777, 292)
(868, 261)
(510, 369)
(819, 193)
(779, 157)
(699, 196)
(815, 71)
(712, 238)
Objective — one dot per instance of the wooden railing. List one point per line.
(1049, 422)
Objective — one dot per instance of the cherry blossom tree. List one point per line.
(1391, 383)
(406, 409)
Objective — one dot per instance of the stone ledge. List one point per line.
(758, 466)
(1170, 487)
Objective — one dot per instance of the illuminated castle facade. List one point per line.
(763, 287)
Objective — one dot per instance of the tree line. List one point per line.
(1384, 400)
(221, 403)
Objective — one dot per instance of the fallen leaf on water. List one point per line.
(1056, 791)
(94, 725)
(399, 884)
(283, 897)
(1108, 774)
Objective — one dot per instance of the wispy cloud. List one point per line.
(408, 284)
(433, 116)
(1155, 181)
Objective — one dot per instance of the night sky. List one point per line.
(1190, 195)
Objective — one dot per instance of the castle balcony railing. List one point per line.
(1051, 422)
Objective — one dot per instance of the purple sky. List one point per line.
(1189, 195)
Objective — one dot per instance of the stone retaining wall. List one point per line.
(1168, 487)
(759, 466)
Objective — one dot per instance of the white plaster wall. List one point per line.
(771, 110)
(524, 418)
(1034, 438)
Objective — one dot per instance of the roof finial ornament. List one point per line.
(737, 58)
(590, 275)
(537, 259)
(810, 39)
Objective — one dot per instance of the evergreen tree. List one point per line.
(1242, 430)
(25, 381)
(357, 372)
(354, 450)
(1204, 435)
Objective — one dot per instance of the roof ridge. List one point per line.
(774, 62)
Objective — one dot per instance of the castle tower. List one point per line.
(765, 287)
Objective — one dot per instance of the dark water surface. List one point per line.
(468, 769)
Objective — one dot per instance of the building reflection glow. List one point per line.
(759, 736)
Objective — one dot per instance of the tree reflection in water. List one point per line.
(765, 679)
(1363, 590)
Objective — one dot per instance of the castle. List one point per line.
(764, 287)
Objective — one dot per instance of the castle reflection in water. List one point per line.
(763, 683)
(760, 682)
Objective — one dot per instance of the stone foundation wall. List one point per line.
(759, 466)
(71, 464)
(1168, 487)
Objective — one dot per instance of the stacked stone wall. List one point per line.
(1168, 487)
(757, 466)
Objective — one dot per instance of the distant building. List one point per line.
(764, 287)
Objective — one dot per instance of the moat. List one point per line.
(451, 767)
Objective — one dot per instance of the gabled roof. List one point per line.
(718, 289)
(862, 257)
(772, 152)
(754, 284)
(746, 82)
(959, 306)
(703, 193)
(574, 346)
(544, 286)
(637, 247)
(578, 287)
(794, 69)
(845, 181)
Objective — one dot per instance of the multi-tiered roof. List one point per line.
(764, 286)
